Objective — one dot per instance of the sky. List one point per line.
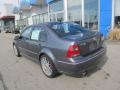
(9, 1)
(3, 11)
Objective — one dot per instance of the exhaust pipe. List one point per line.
(84, 73)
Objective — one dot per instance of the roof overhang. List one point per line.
(7, 17)
(27, 4)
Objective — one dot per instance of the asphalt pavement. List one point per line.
(24, 74)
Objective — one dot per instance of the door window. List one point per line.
(26, 33)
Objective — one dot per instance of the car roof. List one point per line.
(46, 23)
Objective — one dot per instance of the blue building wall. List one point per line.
(105, 16)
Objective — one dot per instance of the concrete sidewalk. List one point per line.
(1, 86)
(1, 82)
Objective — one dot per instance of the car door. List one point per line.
(34, 42)
(23, 41)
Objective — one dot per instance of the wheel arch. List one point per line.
(48, 53)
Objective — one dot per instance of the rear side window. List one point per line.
(35, 33)
(43, 35)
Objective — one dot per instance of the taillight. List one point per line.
(73, 50)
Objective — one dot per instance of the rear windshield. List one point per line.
(64, 29)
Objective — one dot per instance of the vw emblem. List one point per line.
(81, 34)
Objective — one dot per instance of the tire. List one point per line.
(16, 51)
(48, 67)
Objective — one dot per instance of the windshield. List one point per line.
(65, 29)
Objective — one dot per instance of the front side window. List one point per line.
(35, 33)
(26, 33)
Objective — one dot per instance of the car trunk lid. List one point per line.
(89, 42)
(89, 46)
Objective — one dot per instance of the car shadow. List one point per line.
(37, 62)
(87, 74)
(99, 67)
(92, 71)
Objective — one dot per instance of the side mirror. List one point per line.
(17, 37)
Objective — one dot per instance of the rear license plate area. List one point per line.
(92, 46)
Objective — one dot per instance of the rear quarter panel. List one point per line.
(57, 46)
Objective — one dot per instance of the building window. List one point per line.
(56, 11)
(40, 18)
(91, 14)
(34, 19)
(75, 11)
(37, 19)
(117, 12)
(46, 18)
(1, 23)
(56, 6)
(22, 23)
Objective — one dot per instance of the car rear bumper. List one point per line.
(83, 64)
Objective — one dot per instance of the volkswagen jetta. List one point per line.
(61, 47)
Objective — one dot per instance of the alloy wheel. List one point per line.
(46, 66)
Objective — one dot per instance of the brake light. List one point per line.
(73, 50)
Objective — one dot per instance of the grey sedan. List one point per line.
(61, 47)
